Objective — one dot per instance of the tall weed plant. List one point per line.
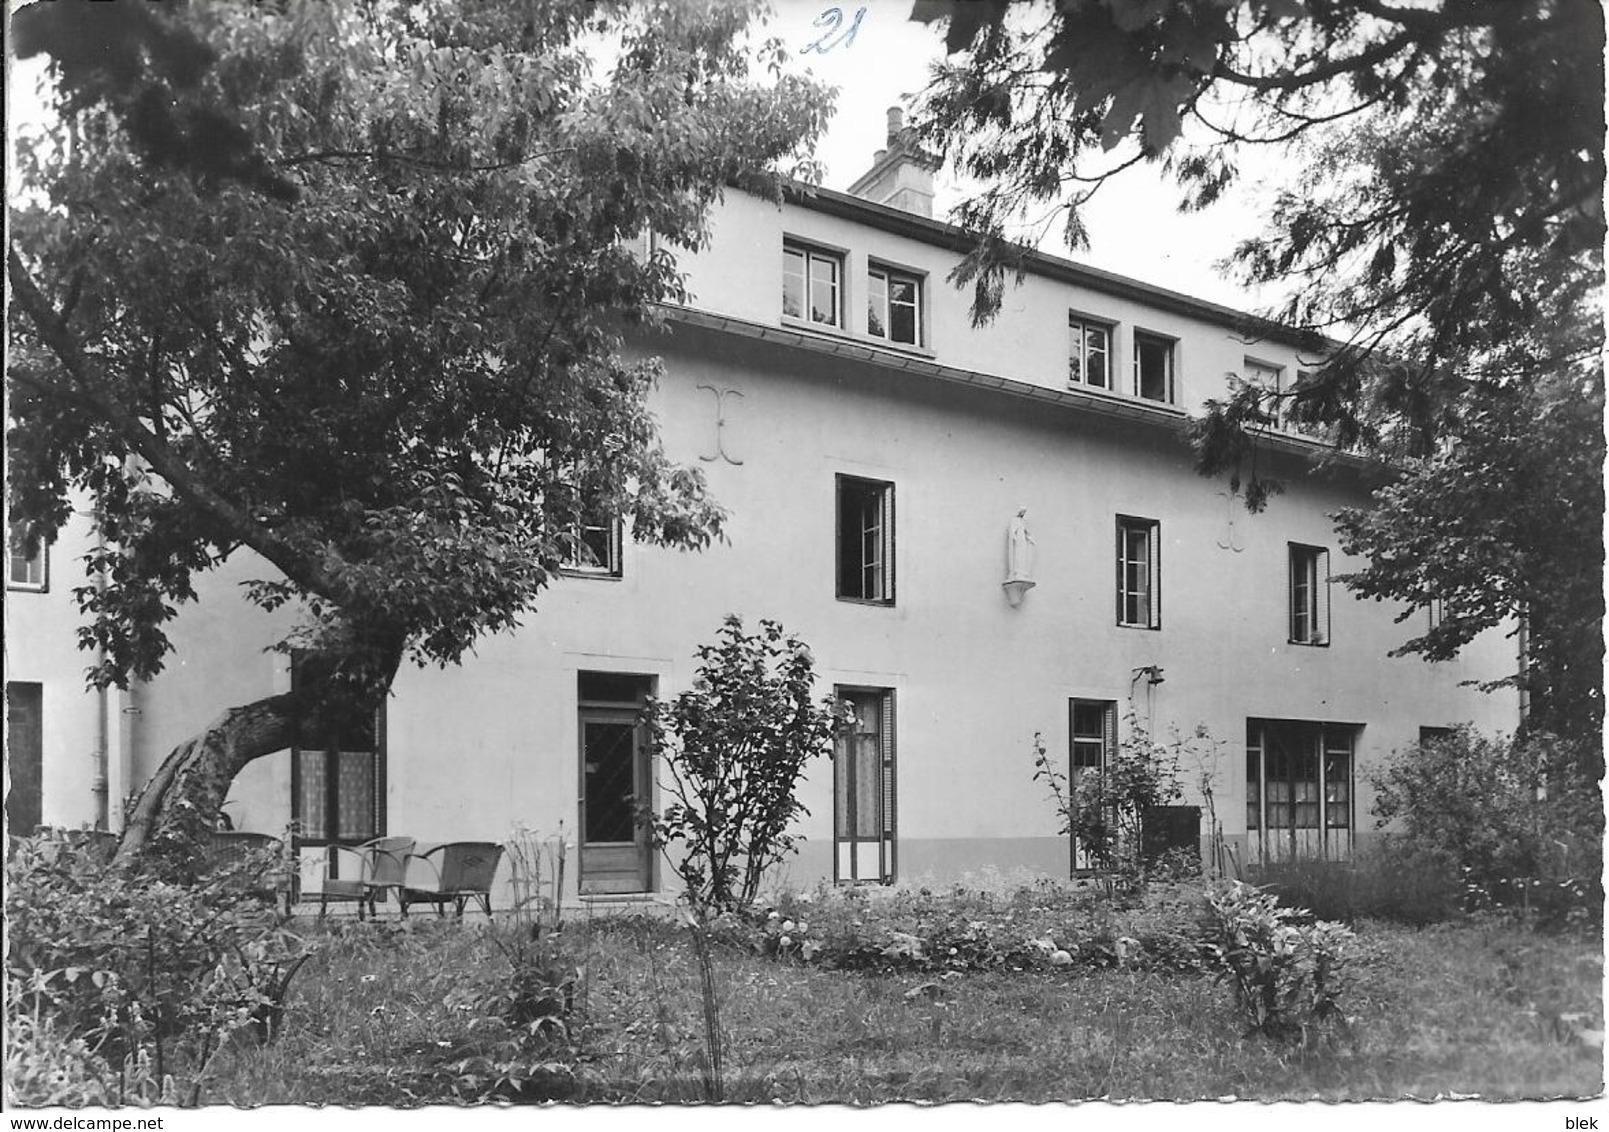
(1287, 975)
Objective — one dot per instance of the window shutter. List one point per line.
(1154, 560)
(1108, 735)
(1120, 586)
(1321, 595)
(889, 807)
(888, 555)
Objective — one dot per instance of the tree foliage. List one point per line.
(735, 746)
(1441, 246)
(380, 345)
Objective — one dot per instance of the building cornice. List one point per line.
(939, 234)
(1168, 418)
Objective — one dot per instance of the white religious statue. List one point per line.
(1019, 557)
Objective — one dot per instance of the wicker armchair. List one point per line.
(364, 873)
(455, 873)
(226, 849)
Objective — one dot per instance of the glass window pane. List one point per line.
(823, 290)
(308, 806)
(902, 320)
(354, 792)
(1095, 356)
(793, 288)
(877, 304)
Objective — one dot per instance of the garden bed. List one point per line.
(932, 997)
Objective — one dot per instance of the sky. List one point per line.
(1135, 228)
(1134, 225)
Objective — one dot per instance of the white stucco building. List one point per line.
(873, 448)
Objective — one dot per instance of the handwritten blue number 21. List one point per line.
(830, 19)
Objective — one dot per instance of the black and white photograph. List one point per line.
(671, 557)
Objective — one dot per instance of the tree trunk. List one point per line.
(183, 797)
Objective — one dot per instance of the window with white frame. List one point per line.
(1270, 379)
(865, 540)
(1299, 788)
(1139, 573)
(594, 546)
(1089, 352)
(25, 569)
(1153, 367)
(812, 284)
(1092, 730)
(894, 305)
(1309, 595)
(863, 789)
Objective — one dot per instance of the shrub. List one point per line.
(1519, 821)
(1106, 812)
(149, 976)
(1286, 975)
(1382, 882)
(735, 745)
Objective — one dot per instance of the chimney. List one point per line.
(901, 176)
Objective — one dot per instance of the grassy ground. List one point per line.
(384, 1015)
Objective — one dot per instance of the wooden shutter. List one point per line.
(1121, 582)
(1154, 564)
(887, 743)
(1321, 595)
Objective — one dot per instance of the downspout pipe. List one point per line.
(103, 705)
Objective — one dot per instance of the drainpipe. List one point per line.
(103, 706)
(1525, 670)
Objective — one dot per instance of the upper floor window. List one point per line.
(865, 540)
(1271, 380)
(1153, 367)
(894, 306)
(1139, 573)
(1435, 613)
(24, 570)
(1089, 353)
(594, 546)
(811, 284)
(1309, 595)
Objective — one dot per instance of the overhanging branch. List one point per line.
(89, 389)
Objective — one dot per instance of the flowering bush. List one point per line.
(1037, 927)
(1286, 974)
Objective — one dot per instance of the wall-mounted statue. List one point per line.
(1019, 557)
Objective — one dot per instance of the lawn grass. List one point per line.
(383, 1015)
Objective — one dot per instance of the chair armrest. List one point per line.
(350, 865)
(420, 874)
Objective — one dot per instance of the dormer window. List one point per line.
(1153, 367)
(811, 284)
(1089, 352)
(1271, 380)
(894, 306)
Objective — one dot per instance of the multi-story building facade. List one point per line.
(895, 478)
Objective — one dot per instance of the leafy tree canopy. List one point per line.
(1442, 245)
(345, 285)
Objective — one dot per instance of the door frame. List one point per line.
(599, 711)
